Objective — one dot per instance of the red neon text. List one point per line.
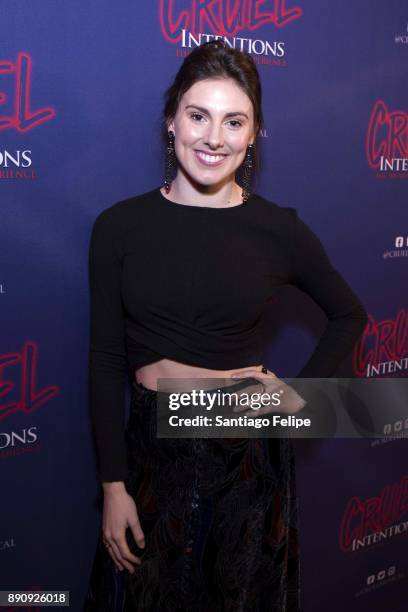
(387, 134)
(383, 341)
(375, 514)
(29, 397)
(223, 17)
(23, 118)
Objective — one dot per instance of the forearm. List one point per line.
(107, 394)
(338, 339)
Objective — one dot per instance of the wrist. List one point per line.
(118, 486)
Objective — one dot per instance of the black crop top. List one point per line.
(190, 283)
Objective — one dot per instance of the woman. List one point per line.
(179, 278)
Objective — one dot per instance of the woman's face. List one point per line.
(213, 125)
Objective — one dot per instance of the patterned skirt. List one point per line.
(220, 523)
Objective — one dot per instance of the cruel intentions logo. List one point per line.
(16, 164)
(382, 348)
(374, 520)
(200, 21)
(17, 113)
(387, 142)
(23, 396)
(23, 441)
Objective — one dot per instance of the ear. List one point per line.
(252, 139)
(170, 126)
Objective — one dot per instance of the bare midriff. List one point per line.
(167, 368)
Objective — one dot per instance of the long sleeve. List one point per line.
(313, 273)
(107, 354)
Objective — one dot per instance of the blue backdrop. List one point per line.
(81, 88)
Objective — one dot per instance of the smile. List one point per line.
(209, 160)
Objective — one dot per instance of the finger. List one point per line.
(249, 389)
(245, 373)
(264, 386)
(113, 557)
(266, 402)
(245, 404)
(255, 412)
(254, 373)
(265, 408)
(124, 550)
(138, 534)
(118, 565)
(119, 557)
(241, 403)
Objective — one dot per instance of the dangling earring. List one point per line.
(170, 161)
(246, 179)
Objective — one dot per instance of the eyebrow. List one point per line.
(204, 110)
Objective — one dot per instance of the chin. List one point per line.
(210, 177)
(209, 183)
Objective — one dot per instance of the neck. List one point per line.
(186, 192)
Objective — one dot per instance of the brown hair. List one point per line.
(215, 59)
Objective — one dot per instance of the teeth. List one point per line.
(210, 158)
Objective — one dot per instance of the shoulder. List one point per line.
(121, 215)
(123, 210)
(286, 213)
(297, 229)
(280, 216)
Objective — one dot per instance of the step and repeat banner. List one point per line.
(81, 92)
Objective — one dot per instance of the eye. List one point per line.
(193, 115)
(237, 122)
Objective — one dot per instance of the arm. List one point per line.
(313, 273)
(107, 355)
(107, 369)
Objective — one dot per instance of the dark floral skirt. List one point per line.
(220, 523)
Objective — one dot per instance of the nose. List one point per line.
(214, 137)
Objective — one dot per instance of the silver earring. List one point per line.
(247, 176)
(170, 162)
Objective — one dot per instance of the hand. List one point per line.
(120, 512)
(290, 401)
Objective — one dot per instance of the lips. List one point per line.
(209, 159)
